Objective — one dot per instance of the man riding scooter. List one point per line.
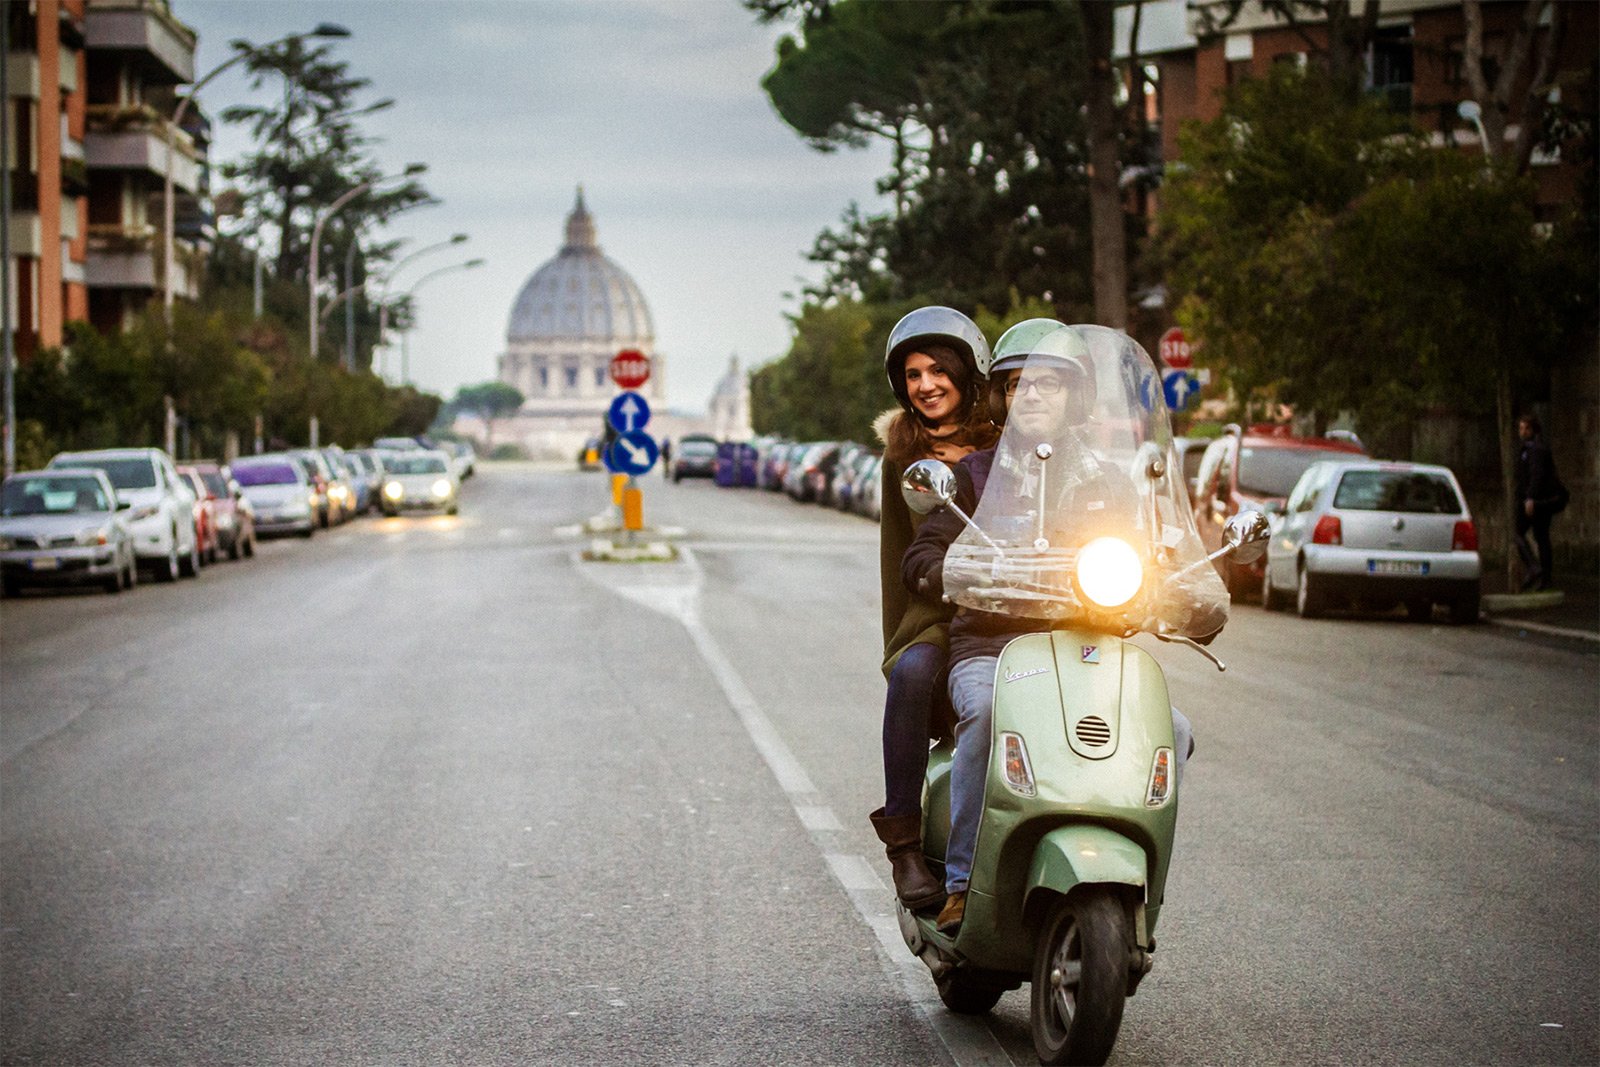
(1051, 406)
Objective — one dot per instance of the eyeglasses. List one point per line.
(1047, 385)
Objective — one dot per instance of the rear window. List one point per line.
(1269, 472)
(52, 496)
(1411, 492)
(135, 473)
(697, 448)
(215, 482)
(266, 474)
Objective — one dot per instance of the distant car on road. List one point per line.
(694, 456)
(161, 518)
(421, 479)
(280, 493)
(1376, 534)
(62, 527)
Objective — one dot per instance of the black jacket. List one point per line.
(1536, 476)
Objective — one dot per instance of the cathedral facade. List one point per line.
(572, 315)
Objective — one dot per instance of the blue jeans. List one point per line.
(912, 685)
(972, 692)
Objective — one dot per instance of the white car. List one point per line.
(161, 512)
(64, 527)
(420, 479)
(1378, 534)
(279, 489)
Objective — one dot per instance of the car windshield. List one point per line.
(52, 496)
(1412, 492)
(132, 473)
(404, 464)
(266, 474)
(215, 482)
(1267, 472)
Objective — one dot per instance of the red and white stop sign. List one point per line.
(1175, 351)
(630, 368)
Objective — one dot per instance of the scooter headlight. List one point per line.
(1018, 770)
(1160, 779)
(1109, 572)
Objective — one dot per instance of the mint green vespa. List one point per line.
(1081, 798)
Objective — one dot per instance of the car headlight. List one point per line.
(441, 488)
(144, 512)
(1109, 571)
(394, 490)
(339, 492)
(96, 536)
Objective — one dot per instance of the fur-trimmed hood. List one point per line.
(906, 440)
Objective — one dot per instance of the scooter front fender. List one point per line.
(1080, 854)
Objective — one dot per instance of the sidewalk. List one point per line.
(1572, 609)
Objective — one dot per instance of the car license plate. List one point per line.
(1397, 566)
(45, 563)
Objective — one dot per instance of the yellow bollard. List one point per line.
(632, 509)
(590, 458)
(617, 482)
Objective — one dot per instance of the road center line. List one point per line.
(967, 1038)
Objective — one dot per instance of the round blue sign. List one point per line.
(628, 412)
(632, 453)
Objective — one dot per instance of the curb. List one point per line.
(1547, 598)
(1543, 628)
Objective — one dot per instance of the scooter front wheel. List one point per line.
(1080, 978)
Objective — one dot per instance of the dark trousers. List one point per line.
(914, 685)
(1539, 523)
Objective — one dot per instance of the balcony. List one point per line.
(129, 257)
(134, 138)
(147, 29)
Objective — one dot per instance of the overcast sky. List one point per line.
(697, 189)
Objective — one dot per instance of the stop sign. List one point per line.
(1175, 351)
(630, 368)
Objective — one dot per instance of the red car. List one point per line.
(1249, 468)
(205, 515)
(233, 528)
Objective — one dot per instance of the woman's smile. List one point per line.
(932, 393)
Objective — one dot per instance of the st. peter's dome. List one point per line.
(580, 295)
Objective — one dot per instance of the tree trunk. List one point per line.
(1508, 473)
(1105, 196)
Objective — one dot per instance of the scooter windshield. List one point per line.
(1085, 519)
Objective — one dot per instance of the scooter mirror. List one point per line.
(1246, 534)
(927, 485)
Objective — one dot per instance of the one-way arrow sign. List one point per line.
(628, 412)
(633, 453)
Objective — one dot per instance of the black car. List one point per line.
(694, 456)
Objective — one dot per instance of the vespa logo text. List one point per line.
(1014, 676)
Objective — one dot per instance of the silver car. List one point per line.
(64, 527)
(419, 479)
(161, 518)
(280, 491)
(1376, 534)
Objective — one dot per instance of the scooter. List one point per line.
(1080, 804)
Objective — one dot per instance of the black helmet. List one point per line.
(935, 325)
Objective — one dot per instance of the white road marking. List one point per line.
(967, 1038)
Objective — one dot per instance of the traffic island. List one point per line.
(602, 550)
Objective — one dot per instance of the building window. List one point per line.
(544, 379)
(599, 377)
(572, 378)
(1389, 66)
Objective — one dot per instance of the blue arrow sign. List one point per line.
(1182, 389)
(632, 453)
(628, 412)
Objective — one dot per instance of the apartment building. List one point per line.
(90, 90)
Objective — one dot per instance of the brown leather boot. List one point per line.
(950, 916)
(901, 835)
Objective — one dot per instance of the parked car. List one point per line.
(694, 456)
(280, 493)
(815, 480)
(161, 518)
(867, 497)
(421, 479)
(320, 477)
(64, 527)
(768, 450)
(852, 463)
(399, 444)
(463, 458)
(1190, 451)
(1376, 534)
(236, 521)
(205, 515)
(1252, 468)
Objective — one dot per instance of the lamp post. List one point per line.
(316, 241)
(1471, 112)
(405, 334)
(323, 29)
(383, 299)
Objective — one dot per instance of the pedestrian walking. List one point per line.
(666, 458)
(1540, 497)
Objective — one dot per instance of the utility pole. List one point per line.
(6, 288)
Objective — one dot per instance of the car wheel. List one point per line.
(452, 510)
(167, 570)
(130, 577)
(1419, 610)
(311, 528)
(1271, 599)
(10, 588)
(1465, 608)
(1309, 597)
(235, 549)
(250, 545)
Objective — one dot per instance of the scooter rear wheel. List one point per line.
(1080, 978)
(965, 993)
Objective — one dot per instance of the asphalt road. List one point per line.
(432, 789)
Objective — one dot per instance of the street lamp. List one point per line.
(323, 29)
(316, 240)
(1469, 111)
(383, 300)
(405, 334)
